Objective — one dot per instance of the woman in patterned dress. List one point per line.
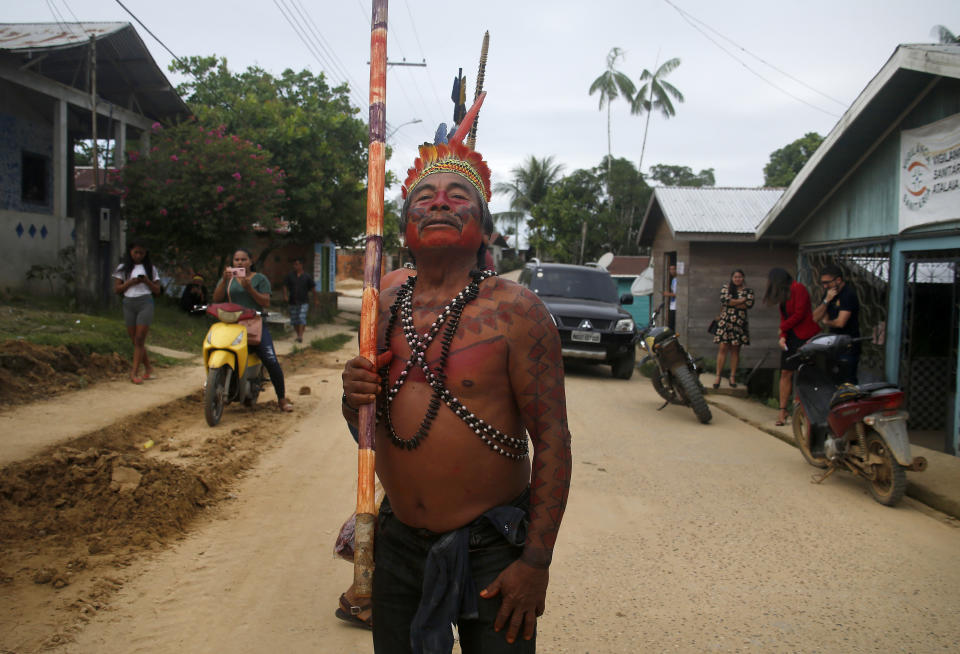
(732, 327)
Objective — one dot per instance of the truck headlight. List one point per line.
(624, 326)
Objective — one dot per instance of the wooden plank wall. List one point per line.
(708, 269)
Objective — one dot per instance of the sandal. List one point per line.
(353, 614)
(716, 386)
(136, 380)
(781, 421)
(733, 384)
(285, 405)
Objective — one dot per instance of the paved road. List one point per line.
(678, 537)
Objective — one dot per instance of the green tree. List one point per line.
(611, 84)
(627, 197)
(313, 132)
(571, 208)
(943, 35)
(681, 176)
(197, 192)
(654, 95)
(530, 184)
(786, 162)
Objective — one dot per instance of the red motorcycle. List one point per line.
(860, 428)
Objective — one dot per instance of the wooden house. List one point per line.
(707, 233)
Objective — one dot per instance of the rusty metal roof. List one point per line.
(127, 74)
(709, 210)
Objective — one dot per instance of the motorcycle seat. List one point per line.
(850, 392)
(876, 386)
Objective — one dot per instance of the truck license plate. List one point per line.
(585, 337)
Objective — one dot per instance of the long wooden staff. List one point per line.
(376, 173)
(481, 71)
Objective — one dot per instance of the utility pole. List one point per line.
(93, 109)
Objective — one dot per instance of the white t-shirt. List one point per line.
(140, 289)
(673, 289)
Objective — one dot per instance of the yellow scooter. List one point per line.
(233, 372)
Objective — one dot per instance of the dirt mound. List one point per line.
(29, 371)
(125, 499)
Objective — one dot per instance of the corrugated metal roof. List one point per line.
(715, 210)
(44, 36)
(127, 74)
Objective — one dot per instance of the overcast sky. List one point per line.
(544, 56)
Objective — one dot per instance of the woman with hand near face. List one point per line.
(137, 281)
(252, 290)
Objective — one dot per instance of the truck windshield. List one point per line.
(582, 284)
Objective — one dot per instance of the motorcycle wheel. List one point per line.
(666, 393)
(889, 478)
(215, 395)
(623, 367)
(801, 434)
(692, 391)
(255, 389)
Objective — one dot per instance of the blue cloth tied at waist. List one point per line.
(449, 592)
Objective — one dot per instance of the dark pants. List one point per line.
(269, 357)
(672, 319)
(847, 367)
(401, 553)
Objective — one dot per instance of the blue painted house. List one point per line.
(881, 198)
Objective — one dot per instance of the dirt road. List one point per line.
(678, 537)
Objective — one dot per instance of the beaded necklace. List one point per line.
(451, 313)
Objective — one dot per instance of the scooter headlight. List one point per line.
(624, 326)
(238, 339)
(210, 338)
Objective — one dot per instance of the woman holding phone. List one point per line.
(241, 285)
(137, 280)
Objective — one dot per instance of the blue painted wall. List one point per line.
(640, 309)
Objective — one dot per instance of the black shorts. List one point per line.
(793, 343)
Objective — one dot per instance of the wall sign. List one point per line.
(930, 173)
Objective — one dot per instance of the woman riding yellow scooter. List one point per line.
(240, 285)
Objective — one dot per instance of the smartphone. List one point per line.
(238, 272)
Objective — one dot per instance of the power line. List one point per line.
(308, 43)
(324, 44)
(155, 37)
(685, 17)
(760, 59)
(416, 35)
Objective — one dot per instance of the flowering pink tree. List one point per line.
(198, 193)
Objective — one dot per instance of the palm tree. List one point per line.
(530, 184)
(944, 35)
(655, 94)
(611, 85)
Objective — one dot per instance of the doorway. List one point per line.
(928, 359)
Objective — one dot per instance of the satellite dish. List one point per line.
(605, 260)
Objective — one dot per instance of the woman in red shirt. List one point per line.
(796, 327)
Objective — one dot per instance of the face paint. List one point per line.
(444, 213)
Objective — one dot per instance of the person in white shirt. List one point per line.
(671, 295)
(137, 280)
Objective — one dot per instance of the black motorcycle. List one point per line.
(677, 378)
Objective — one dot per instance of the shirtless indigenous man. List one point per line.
(471, 373)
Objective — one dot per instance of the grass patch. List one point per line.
(49, 321)
(331, 343)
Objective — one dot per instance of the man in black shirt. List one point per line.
(297, 288)
(840, 312)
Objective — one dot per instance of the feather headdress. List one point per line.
(452, 157)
